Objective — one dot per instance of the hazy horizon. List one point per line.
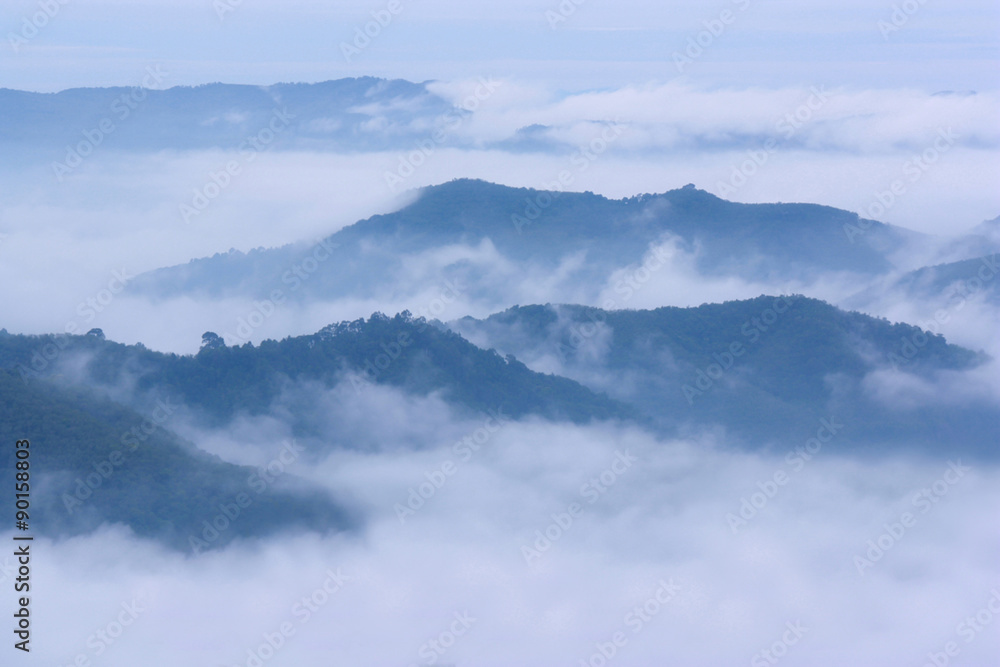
(410, 343)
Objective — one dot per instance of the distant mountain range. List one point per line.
(221, 382)
(768, 371)
(943, 286)
(482, 236)
(95, 461)
(100, 417)
(763, 372)
(345, 115)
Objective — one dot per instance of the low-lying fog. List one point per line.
(490, 542)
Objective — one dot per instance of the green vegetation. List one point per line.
(141, 476)
(538, 229)
(764, 368)
(223, 381)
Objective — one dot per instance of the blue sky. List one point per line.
(933, 46)
(693, 123)
(63, 240)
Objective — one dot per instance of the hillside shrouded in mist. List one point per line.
(529, 333)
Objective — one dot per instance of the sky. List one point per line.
(719, 593)
(575, 45)
(698, 85)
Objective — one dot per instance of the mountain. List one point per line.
(766, 369)
(988, 230)
(94, 461)
(769, 371)
(944, 286)
(485, 237)
(982, 239)
(344, 115)
(222, 382)
(100, 413)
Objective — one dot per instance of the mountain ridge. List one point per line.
(764, 368)
(331, 114)
(484, 220)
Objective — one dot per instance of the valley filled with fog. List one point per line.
(502, 367)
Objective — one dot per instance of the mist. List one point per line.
(495, 542)
(477, 539)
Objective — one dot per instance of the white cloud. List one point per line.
(662, 518)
